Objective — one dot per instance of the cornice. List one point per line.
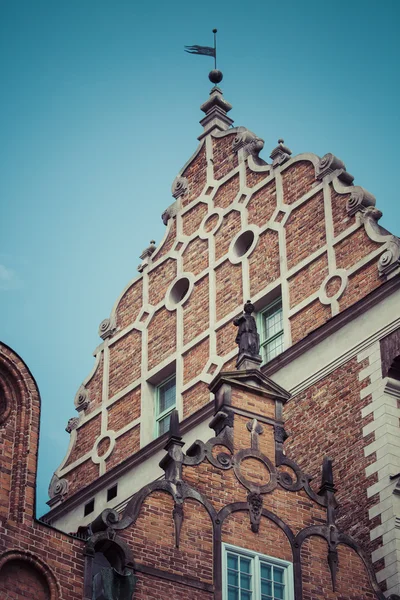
(77, 499)
(334, 324)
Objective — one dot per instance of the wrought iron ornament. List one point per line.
(215, 75)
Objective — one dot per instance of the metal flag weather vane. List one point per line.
(205, 50)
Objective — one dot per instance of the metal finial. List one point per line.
(215, 76)
(215, 51)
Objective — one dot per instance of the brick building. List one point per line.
(295, 494)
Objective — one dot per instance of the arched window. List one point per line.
(109, 569)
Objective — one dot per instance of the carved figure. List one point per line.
(247, 337)
(255, 504)
(109, 584)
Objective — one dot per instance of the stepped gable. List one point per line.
(238, 227)
(237, 486)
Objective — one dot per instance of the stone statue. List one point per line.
(247, 337)
(109, 584)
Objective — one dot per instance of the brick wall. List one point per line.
(35, 560)
(334, 427)
(307, 245)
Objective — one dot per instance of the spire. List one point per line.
(216, 108)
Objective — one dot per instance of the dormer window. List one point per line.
(165, 404)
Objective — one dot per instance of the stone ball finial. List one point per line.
(215, 76)
(281, 141)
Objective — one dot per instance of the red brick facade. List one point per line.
(296, 229)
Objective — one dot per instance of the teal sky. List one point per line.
(100, 110)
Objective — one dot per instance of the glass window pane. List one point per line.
(233, 578)
(245, 582)
(233, 594)
(266, 571)
(266, 587)
(244, 565)
(278, 575)
(245, 595)
(163, 424)
(167, 395)
(273, 321)
(232, 561)
(278, 591)
(274, 348)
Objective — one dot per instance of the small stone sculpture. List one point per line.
(109, 584)
(247, 337)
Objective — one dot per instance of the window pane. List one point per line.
(266, 587)
(244, 565)
(278, 575)
(266, 571)
(232, 562)
(273, 321)
(167, 395)
(245, 595)
(274, 348)
(163, 424)
(278, 591)
(233, 594)
(233, 578)
(245, 582)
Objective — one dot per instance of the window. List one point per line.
(112, 492)
(165, 404)
(88, 508)
(271, 330)
(252, 576)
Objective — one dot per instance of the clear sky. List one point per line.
(99, 110)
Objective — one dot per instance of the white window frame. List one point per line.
(264, 341)
(257, 558)
(159, 416)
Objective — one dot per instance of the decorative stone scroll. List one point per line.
(389, 261)
(106, 328)
(179, 187)
(72, 424)
(58, 487)
(329, 164)
(359, 200)
(170, 212)
(248, 142)
(81, 399)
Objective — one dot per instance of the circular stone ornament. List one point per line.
(103, 446)
(210, 224)
(243, 244)
(324, 298)
(179, 291)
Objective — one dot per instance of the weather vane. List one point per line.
(215, 76)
